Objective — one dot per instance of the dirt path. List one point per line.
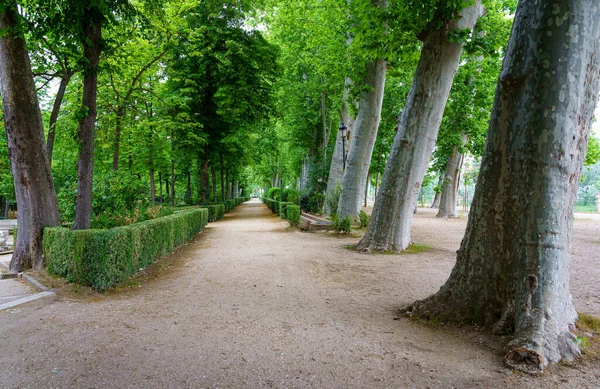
(253, 304)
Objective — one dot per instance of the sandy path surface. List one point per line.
(251, 303)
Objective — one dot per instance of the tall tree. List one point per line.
(364, 133)
(512, 269)
(36, 198)
(391, 220)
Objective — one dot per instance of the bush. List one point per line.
(290, 195)
(293, 215)
(312, 202)
(215, 212)
(103, 258)
(363, 219)
(333, 199)
(341, 225)
(283, 208)
(274, 194)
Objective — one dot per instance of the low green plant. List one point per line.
(274, 194)
(293, 215)
(283, 208)
(341, 225)
(363, 219)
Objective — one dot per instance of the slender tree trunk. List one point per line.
(36, 198)
(152, 186)
(451, 182)
(160, 186)
(172, 182)
(213, 174)
(117, 140)
(167, 191)
(436, 199)
(389, 229)
(363, 136)
(336, 169)
(204, 180)
(222, 180)
(228, 184)
(512, 269)
(188, 190)
(60, 94)
(85, 132)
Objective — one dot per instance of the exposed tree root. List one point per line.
(525, 360)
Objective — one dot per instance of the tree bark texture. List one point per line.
(389, 229)
(436, 198)
(363, 136)
(85, 131)
(451, 180)
(336, 169)
(36, 198)
(512, 269)
(60, 95)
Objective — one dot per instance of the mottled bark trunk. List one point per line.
(36, 198)
(389, 229)
(236, 192)
(450, 183)
(85, 132)
(60, 94)
(117, 140)
(366, 190)
(336, 169)
(436, 198)
(512, 269)
(363, 138)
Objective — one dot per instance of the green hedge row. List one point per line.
(215, 211)
(103, 258)
(286, 210)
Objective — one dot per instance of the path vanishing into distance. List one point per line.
(251, 303)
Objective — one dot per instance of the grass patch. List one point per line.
(585, 208)
(588, 323)
(414, 248)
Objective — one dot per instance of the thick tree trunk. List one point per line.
(436, 198)
(450, 183)
(336, 169)
(36, 198)
(363, 136)
(60, 94)
(367, 190)
(389, 229)
(85, 131)
(512, 269)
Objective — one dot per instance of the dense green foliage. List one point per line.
(103, 258)
(293, 215)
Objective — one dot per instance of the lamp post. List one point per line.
(343, 129)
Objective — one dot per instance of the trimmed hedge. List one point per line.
(293, 215)
(103, 258)
(215, 212)
(283, 207)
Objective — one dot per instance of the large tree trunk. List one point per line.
(450, 183)
(213, 175)
(85, 132)
(512, 269)
(62, 88)
(436, 198)
(363, 136)
(36, 198)
(389, 229)
(336, 169)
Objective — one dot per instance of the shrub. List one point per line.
(274, 194)
(283, 208)
(341, 225)
(333, 200)
(312, 202)
(290, 195)
(103, 258)
(293, 215)
(363, 219)
(215, 212)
